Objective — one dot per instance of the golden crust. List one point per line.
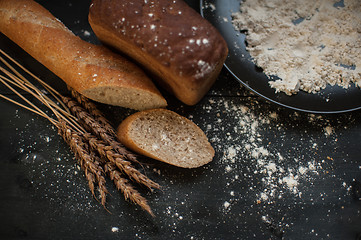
(87, 68)
(168, 38)
(124, 135)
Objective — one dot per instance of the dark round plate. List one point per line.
(332, 99)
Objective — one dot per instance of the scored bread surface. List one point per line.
(92, 70)
(166, 136)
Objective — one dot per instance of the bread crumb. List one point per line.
(86, 33)
(328, 130)
(228, 168)
(290, 181)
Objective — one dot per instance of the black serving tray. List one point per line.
(332, 99)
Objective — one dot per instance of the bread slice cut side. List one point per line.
(166, 136)
(126, 97)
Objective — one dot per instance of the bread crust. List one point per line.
(168, 38)
(124, 129)
(90, 69)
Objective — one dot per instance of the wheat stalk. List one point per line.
(52, 91)
(96, 156)
(127, 189)
(98, 129)
(107, 152)
(93, 110)
(105, 124)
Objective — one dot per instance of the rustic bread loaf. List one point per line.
(166, 136)
(93, 71)
(168, 38)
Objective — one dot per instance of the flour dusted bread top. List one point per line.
(91, 70)
(166, 136)
(167, 37)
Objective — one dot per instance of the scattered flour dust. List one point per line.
(307, 44)
(273, 171)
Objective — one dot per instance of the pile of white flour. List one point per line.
(307, 44)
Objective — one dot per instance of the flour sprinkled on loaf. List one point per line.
(170, 39)
(92, 70)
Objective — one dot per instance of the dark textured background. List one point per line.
(43, 194)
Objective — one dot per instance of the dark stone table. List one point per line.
(277, 173)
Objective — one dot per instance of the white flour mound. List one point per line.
(307, 44)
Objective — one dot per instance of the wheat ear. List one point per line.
(93, 171)
(110, 133)
(97, 129)
(78, 140)
(126, 188)
(93, 110)
(126, 167)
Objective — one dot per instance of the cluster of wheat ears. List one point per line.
(88, 133)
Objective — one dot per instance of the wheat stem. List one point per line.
(93, 110)
(30, 88)
(101, 126)
(59, 113)
(89, 150)
(128, 191)
(87, 162)
(96, 128)
(126, 167)
(45, 85)
(23, 106)
(4, 80)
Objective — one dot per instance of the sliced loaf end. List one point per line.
(133, 98)
(166, 136)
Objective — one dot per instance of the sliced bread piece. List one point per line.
(166, 136)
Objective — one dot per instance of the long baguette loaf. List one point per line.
(168, 38)
(92, 70)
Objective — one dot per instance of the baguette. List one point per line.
(169, 38)
(166, 136)
(91, 70)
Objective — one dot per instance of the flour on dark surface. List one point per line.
(307, 46)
